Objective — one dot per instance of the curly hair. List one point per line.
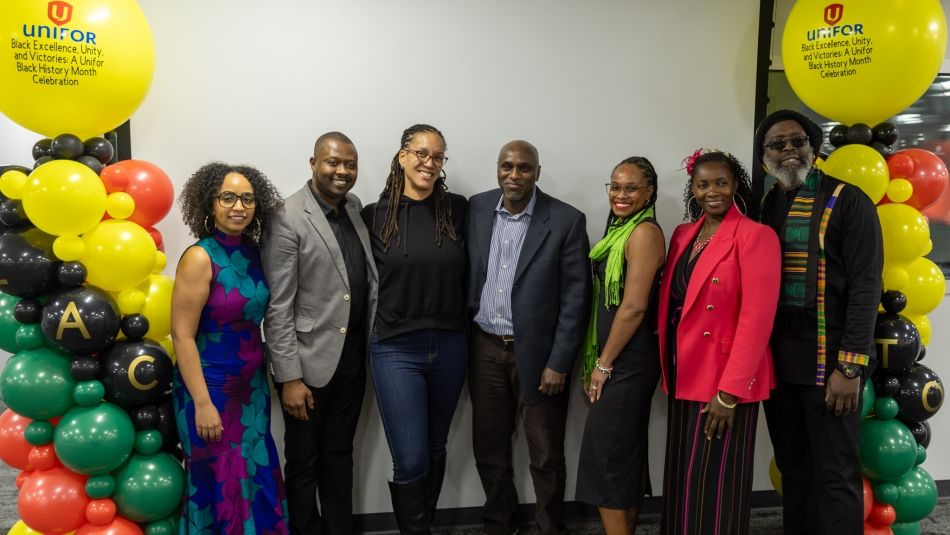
(197, 197)
(649, 173)
(395, 183)
(692, 211)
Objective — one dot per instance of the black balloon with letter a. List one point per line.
(136, 373)
(81, 321)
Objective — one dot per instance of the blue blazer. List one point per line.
(550, 299)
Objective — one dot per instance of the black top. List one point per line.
(854, 261)
(353, 258)
(421, 284)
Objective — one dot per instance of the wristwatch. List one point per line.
(849, 370)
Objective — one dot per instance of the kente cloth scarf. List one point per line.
(611, 247)
(799, 265)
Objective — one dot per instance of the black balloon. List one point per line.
(81, 321)
(27, 264)
(11, 212)
(136, 373)
(67, 147)
(100, 149)
(28, 311)
(921, 432)
(860, 133)
(896, 341)
(893, 301)
(885, 133)
(41, 160)
(838, 136)
(166, 426)
(920, 395)
(145, 417)
(882, 149)
(886, 385)
(71, 274)
(923, 353)
(84, 369)
(42, 148)
(134, 326)
(91, 162)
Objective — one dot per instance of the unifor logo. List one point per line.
(833, 14)
(59, 12)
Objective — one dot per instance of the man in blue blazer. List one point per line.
(529, 296)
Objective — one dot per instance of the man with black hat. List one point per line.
(823, 339)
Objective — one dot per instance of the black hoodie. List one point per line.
(421, 284)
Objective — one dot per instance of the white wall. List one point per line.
(588, 83)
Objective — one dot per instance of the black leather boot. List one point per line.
(410, 507)
(436, 475)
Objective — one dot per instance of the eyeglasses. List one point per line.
(615, 189)
(423, 155)
(227, 199)
(779, 142)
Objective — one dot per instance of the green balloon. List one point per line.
(160, 527)
(867, 399)
(909, 528)
(885, 408)
(30, 337)
(886, 493)
(89, 393)
(149, 487)
(99, 487)
(38, 433)
(148, 442)
(37, 383)
(888, 449)
(94, 440)
(918, 496)
(921, 454)
(8, 324)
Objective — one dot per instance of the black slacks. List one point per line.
(319, 451)
(819, 456)
(496, 401)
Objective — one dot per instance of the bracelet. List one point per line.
(723, 403)
(606, 371)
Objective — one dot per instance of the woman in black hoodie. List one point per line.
(418, 350)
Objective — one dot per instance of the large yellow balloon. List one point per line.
(119, 254)
(862, 166)
(862, 61)
(64, 197)
(906, 234)
(158, 306)
(81, 66)
(923, 327)
(925, 287)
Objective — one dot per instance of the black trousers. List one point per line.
(496, 401)
(819, 456)
(319, 451)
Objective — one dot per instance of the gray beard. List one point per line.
(789, 178)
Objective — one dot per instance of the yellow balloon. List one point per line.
(166, 343)
(119, 254)
(895, 277)
(130, 300)
(12, 182)
(862, 166)
(158, 306)
(899, 190)
(859, 61)
(161, 261)
(68, 247)
(120, 205)
(925, 287)
(20, 528)
(775, 477)
(905, 231)
(64, 197)
(923, 327)
(81, 66)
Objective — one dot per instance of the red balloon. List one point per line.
(44, 457)
(882, 515)
(21, 477)
(928, 174)
(874, 530)
(118, 526)
(100, 512)
(868, 496)
(148, 185)
(53, 501)
(157, 238)
(14, 449)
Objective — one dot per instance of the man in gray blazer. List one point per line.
(529, 292)
(323, 283)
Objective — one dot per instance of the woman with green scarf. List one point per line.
(622, 365)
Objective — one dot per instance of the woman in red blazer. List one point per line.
(717, 303)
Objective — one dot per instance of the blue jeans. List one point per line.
(418, 377)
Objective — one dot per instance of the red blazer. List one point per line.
(723, 336)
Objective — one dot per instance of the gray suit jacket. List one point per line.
(306, 319)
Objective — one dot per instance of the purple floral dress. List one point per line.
(234, 485)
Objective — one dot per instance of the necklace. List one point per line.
(700, 244)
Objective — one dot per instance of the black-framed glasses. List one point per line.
(615, 189)
(227, 199)
(778, 143)
(423, 155)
